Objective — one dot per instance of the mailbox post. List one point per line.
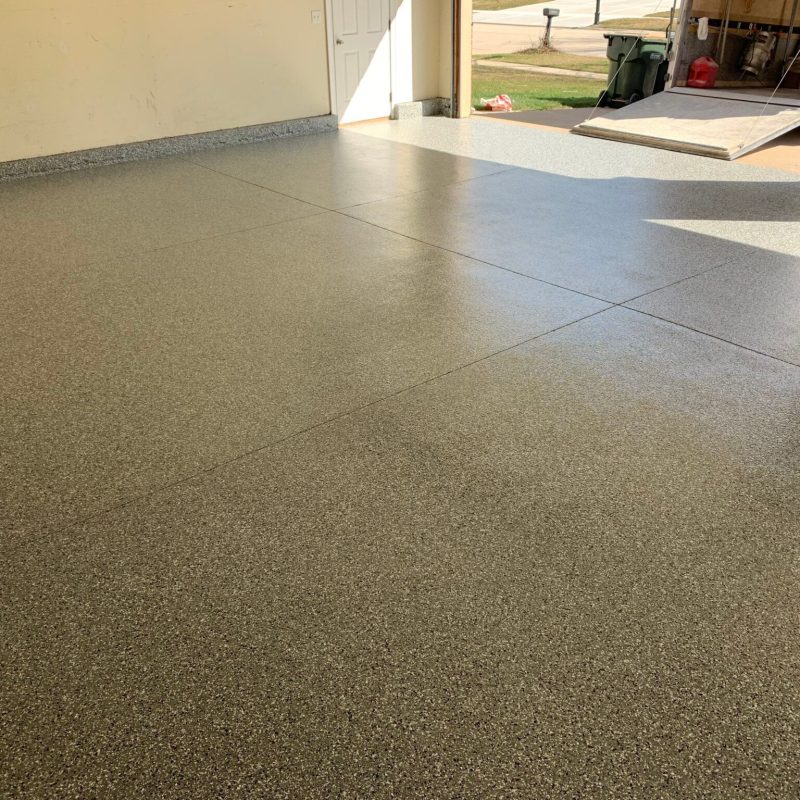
(549, 13)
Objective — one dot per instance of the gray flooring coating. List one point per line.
(468, 469)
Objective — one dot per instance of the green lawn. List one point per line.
(635, 24)
(500, 5)
(529, 91)
(555, 58)
(652, 22)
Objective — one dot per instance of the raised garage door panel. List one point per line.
(773, 12)
(703, 125)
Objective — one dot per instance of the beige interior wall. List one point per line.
(433, 46)
(420, 53)
(427, 56)
(76, 74)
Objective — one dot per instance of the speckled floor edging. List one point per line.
(433, 107)
(158, 148)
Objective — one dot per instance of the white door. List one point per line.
(362, 59)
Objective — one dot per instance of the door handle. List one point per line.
(339, 41)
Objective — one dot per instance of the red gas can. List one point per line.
(703, 73)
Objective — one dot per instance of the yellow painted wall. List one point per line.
(424, 36)
(428, 21)
(76, 74)
(420, 49)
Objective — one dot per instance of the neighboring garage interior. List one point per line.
(425, 457)
(754, 97)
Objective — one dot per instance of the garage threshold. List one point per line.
(782, 153)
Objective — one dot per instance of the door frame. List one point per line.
(331, 44)
(460, 56)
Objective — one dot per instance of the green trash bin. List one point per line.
(637, 68)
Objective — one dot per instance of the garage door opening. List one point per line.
(560, 83)
(734, 83)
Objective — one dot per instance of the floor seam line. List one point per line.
(725, 263)
(294, 434)
(319, 213)
(474, 177)
(341, 208)
(477, 260)
(135, 253)
(713, 336)
(250, 183)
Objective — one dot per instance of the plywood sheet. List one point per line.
(783, 97)
(703, 125)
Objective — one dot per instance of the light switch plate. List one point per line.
(316, 17)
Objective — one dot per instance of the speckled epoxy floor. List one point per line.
(467, 468)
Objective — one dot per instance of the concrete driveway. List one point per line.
(488, 38)
(574, 13)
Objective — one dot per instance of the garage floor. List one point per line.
(782, 153)
(422, 460)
